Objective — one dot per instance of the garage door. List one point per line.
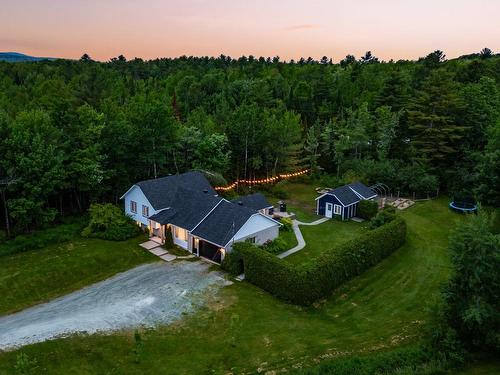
(209, 251)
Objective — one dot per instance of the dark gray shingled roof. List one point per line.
(218, 227)
(188, 208)
(161, 192)
(362, 190)
(255, 201)
(345, 195)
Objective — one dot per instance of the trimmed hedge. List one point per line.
(307, 283)
(233, 261)
(367, 209)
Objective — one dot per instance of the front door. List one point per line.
(329, 210)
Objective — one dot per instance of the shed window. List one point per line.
(133, 207)
(145, 211)
(337, 210)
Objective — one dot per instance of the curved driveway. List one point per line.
(147, 295)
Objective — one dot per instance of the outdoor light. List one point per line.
(268, 180)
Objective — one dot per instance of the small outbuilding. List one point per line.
(342, 202)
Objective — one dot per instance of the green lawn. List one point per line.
(289, 238)
(39, 275)
(324, 237)
(301, 201)
(245, 329)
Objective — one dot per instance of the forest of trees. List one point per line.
(76, 132)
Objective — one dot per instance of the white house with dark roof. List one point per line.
(200, 221)
(342, 202)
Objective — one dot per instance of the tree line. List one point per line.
(76, 132)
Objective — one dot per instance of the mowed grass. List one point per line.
(325, 236)
(245, 330)
(301, 201)
(36, 276)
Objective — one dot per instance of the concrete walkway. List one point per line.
(301, 243)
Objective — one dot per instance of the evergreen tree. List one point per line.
(432, 120)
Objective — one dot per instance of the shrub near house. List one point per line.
(367, 209)
(109, 223)
(316, 279)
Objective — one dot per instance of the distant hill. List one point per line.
(20, 57)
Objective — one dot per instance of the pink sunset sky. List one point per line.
(287, 28)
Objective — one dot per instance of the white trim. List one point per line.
(201, 238)
(128, 191)
(355, 192)
(258, 213)
(145, 197)
(322, 195)
(340, 209)
(361, 195)
(328, 211)
(342, 203)
(219, 202)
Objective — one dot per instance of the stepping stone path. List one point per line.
(168, 257)
(155, 249)
(148, 245)
(158, 251)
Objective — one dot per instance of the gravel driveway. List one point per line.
(147, 295)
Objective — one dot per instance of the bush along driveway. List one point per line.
(145, 296)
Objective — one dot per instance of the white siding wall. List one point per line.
(136, 195)
(257, 226)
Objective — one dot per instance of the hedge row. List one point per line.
(367, 209)
(307, 283)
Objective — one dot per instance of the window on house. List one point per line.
(180, 233)
(133, 207)
(250, 239)
(337, 210)
(145, 211)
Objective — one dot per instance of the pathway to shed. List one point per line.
(301, 243)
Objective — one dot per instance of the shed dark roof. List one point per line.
(161, 192)
(255, 201)
(345, 195)
(362, 190)
(218, 227)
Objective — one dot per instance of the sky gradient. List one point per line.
(397, 29)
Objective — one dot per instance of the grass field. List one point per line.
(324, 237)
(39, 275)
(301, 201)
(245, 329)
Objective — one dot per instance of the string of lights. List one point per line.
(269, 180)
